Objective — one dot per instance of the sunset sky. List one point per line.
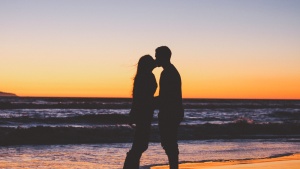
(222, 48)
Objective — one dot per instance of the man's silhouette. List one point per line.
(170, 105)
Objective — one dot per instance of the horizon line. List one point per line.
(196, 98)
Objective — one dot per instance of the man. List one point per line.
(170, 105)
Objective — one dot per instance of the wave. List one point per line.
(125, 103)
(293, 114)
(103, 119)
(91, 119)
(124, 133)
(84, 119)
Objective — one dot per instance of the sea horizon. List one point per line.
(184, 98)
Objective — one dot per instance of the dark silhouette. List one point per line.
(170, 105)
(142, 110)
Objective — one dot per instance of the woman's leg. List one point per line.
(139, 145)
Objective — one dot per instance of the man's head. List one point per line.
(163, 56)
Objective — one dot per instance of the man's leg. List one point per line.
(168, 134)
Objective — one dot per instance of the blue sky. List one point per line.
(228, 43)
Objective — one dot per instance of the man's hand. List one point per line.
(132, 125)
(132, 122)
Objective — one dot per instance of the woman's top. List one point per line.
(143, 97)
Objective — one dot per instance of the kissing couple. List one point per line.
(169, 103)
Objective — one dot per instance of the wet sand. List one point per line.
(290, 162)
(204, 154)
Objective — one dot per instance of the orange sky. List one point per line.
(222, 49)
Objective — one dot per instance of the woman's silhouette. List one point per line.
(142, 109)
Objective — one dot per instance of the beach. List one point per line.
(93, 133)
(204, 153)
(289, 162)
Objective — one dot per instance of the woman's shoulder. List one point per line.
(145, 78)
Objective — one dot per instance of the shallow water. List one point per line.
(111, 156)
(91, 112)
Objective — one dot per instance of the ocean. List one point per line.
(94, 131)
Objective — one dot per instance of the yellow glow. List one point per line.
(104, 77)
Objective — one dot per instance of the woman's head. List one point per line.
(146, 64)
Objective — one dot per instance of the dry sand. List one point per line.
(286, 162)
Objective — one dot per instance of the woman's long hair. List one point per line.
(143, 67)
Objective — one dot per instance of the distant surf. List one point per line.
(27, 120)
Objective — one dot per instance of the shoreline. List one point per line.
(291, 161)
(111, 156)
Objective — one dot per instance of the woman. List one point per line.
(142, 109)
